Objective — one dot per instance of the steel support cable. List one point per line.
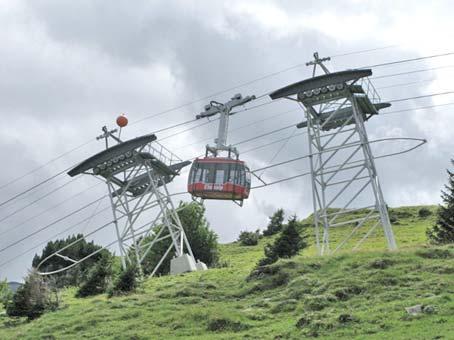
(45, 164)
(411, 72)
(48, 209)
(421, 96)
(382, 113)
(189, 129)
(90, 218)
(405, 84)
(37, 199)
(50, 239)
(293, 125)
(395, 100)
(278, 151)
(417, 108)
(209, 121)
(274, 142)
(422, 142)
(52, 224)
(239, 128)
(253, 138)
(269, 75)
(265, 134)
(363, 51)
(395, 62)
(34, 187)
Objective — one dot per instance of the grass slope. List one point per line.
(351, 295)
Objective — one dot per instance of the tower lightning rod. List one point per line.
(318, 62)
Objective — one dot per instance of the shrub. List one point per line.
(345, 318)
(345, 293)
(424, 212)
(221, 324)
(126, 282)
(318, 302)
(32, 299)
(249, 238)
(392, 218)
(381, 263)
(434, 253)
(6, 294)
(275, 225)
(98, 278)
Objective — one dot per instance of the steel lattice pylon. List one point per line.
(127, 210)
(343, 172)
(137, 173)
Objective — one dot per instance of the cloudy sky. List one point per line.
(69, 67)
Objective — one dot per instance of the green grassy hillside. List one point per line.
(351, 295)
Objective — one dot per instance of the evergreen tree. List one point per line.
(443, 231)
(98, 278)
(126, 282)
(289, 243)
(32, 299)
(275, 224)
(77, 274)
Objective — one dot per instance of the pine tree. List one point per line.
(126, 282)
(275, 224)
(98, 278)
(443, 231)
(289, 243)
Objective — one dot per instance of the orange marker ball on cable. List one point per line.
(122, 121)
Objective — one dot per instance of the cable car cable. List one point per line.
(420, 140)
(37, 200)
(411, 72)
(48, 209)
(417, 108)
(422, 96)
(395, 62)
(51, 224)
(34, 186)
(45, 164)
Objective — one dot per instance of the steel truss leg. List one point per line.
(345, 144)
(165, 224)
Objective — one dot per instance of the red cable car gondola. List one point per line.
(220, 178)
(215, 177)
